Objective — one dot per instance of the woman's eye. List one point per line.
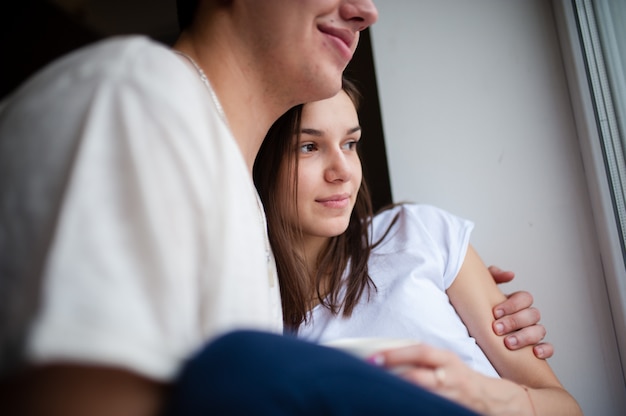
(351, 145)
(308, 148)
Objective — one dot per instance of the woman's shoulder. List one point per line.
(408, 220)
(408, 211)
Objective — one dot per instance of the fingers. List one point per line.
(419, 355)
(520, 322)
(452, 378)
(543, 350)
(428, 378)
(515, 302)
(423, 365)
(518, 319)
(501, 276)
(525, 337)
(440, 376)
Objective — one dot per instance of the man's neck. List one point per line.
(249, 109)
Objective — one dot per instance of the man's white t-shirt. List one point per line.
(412, 268)
(125, 197)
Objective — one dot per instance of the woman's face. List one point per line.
(329, 169)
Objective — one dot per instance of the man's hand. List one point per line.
(517, 318)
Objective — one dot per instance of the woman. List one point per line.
(407, 272)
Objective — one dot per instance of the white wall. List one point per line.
(478, 121)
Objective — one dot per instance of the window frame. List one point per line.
(586, 105)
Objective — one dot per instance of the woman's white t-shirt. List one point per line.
(412, 268)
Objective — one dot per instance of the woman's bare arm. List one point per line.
(529, 386)
(473, 294)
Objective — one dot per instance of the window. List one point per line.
(602, 26)
(593, 40)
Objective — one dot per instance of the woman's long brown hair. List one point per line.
(278, 158)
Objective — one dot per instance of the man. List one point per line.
(130, 230)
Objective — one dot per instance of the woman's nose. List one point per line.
(338, 169)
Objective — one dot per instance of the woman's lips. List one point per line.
(335, 201)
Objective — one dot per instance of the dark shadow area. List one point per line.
(34, 33)
(373, 151)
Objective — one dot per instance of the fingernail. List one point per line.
(377, 360)
(499, 328)
(539, 352)
(512, 341)
(499, 313)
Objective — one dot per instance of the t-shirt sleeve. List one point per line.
(123, 253)
(448, 233)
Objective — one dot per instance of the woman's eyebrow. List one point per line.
(311, 132)
(319, 133)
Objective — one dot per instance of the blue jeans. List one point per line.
(253, 373)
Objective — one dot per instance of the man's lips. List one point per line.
(342, 38)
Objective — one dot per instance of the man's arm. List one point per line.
(517, 318)
(75, 390)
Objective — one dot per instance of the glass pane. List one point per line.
(602, 25)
